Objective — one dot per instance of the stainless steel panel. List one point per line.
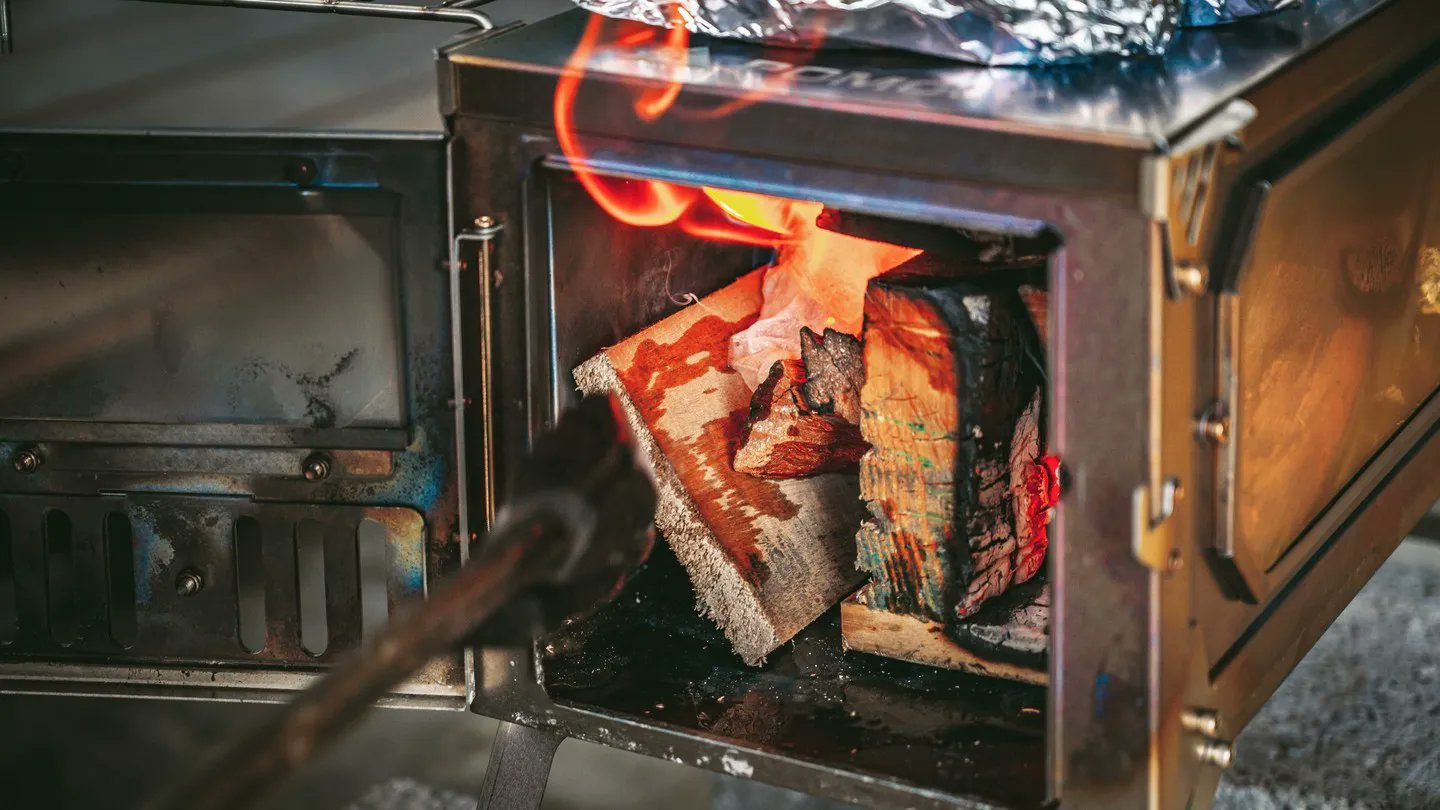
(1076, 129)
(185, 318)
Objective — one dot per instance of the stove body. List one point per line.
(1239, 224)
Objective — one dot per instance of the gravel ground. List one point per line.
(1357, 724)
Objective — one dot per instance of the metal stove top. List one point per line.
(1139, 100)
(1074, 127)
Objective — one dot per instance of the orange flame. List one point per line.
(646, 203)
(820, 276)
(655, 103)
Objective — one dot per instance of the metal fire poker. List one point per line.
(578, 522)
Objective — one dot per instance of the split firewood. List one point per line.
(765, 557)
(947, 384)
(785, 439)
(1008, 638)
(834, 373)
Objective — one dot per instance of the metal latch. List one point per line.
(1149, 542)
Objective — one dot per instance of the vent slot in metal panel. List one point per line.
(120, 579)
(374, 576)
(61, 609)
(250, 585)
(310, 586)
(9, 614)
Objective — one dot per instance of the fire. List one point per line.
(646, 204)
(1042, 486)
(818, 281)
(819, 277)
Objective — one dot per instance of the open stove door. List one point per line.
(227, 450)
(231, 440)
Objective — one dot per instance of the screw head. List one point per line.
(1190, 279)
(189, 583)
(27, 461)
(302, 171)
(1201, 721)
(1214, 429)
(485, 222)
(1176, 560)
(316, 468)
(1220, 753)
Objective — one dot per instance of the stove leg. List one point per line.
(519, 769)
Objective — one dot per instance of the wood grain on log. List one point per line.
(947, 381)
(1010, 643)
(766, 557)
(783, 438)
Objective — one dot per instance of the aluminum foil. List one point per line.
(995, 32)
(1213, 12)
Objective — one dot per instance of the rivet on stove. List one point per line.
(1214, 427)
(1220, 753)
(1190, 279)
(1201, 721)
(189, 583)
(317, 467)
(1176, 560)
(302, 171)
(27, 461)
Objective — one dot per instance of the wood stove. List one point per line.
(1241, 260)
(1196, 553)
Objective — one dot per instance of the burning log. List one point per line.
(805, 416)
(786, 439)
(951, 407)
(834, 373)
(765, 557)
